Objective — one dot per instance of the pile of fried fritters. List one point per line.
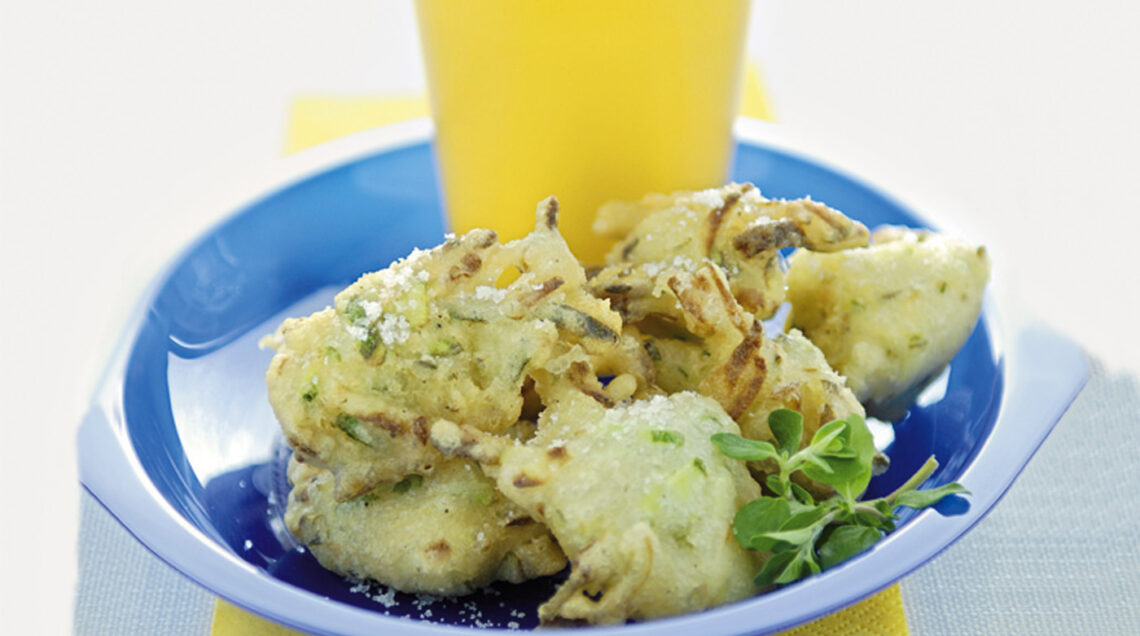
(483, 411)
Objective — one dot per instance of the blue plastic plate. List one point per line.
(181, 446)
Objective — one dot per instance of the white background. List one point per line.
(122, 121)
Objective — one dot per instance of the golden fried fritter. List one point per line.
(734, 227)
(708, 343)
(798, 378)
(890, 316)
(637, 496)
(449, 533)
(441, 335)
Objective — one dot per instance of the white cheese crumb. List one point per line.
(486, 292)
(357, 332)
(684, 262)
(711, 198)
(394, 329)
(653, 269)
(386, 598)
(396, 279)
(372, 310)
(762, 220)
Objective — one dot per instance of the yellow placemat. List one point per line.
(879, 615)
(314, 120)
(233, 621)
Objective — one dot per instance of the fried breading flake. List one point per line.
(449, 533)
(637, 496)
(734, 227)
(444, 334)
(890, 316)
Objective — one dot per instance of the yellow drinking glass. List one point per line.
(588, 100)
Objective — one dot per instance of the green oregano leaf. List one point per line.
(738, 447)
(919, 499)
(847, 473)
(777, 486)
(802, 495)
(805, 535)
(787, 427)
(845, 542)
(773, 568)
(757, 517)
(793, 537)
(806, 517)
(801, 566)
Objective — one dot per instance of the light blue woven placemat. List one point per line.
(1058, 555)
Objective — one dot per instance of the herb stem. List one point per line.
(915, 480)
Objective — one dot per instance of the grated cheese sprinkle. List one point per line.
(711, 197)
(486, 292)
(394, 329)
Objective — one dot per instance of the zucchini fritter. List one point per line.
(734, 227)
(444, 334)
(710, 344)
(411, 404)
(890, 316)
(637, 496)
(449, 533)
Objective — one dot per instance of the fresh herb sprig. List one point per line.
(806, 536)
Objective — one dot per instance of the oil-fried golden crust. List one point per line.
(734, 227)
(450, 533)
(408, 404)
(798, 378)
(441, 335)
(637, 496)
(891, 316)
(720, 350)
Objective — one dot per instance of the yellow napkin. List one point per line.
(314, 120)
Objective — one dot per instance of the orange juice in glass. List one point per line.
(588, 100)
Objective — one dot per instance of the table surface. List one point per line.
(123, 123)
